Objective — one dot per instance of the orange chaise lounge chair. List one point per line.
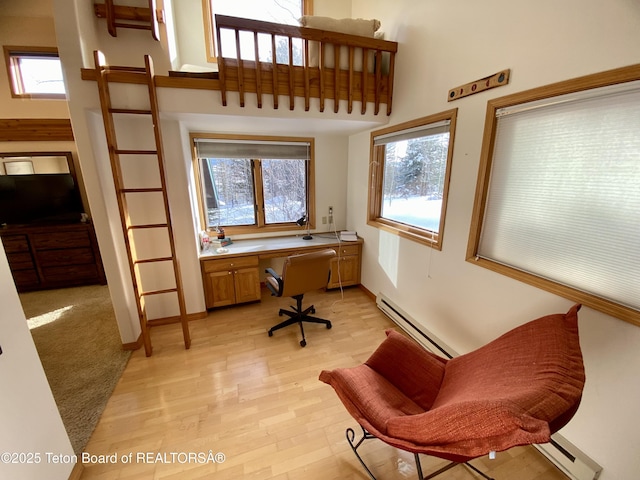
(516, 390)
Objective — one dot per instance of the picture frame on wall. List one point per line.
(19, 167)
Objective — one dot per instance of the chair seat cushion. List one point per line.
(370, 398)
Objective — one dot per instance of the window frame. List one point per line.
(580, 84)
(209, 26)
(12, 63)
(260, 226)
(376, 177)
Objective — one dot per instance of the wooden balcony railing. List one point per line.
(274, 59)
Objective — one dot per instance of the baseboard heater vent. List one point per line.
(562, 453)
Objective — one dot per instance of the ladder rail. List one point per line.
(157, 131)
(128, 228)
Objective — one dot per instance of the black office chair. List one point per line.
(300, 274)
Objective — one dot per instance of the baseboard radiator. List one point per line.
(562, 453)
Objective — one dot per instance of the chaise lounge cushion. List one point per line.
(516, 390)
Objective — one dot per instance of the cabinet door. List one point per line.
(247, 285)
(219, 289)
(345, 271)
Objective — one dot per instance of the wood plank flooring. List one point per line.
(257, 400)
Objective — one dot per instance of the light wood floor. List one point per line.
(258, 401)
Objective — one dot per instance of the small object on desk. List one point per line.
(348, 236)
(222, 242)
(204, 240)
(222, 250)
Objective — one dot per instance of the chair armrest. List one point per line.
(278, 279)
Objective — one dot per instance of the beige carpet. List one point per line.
(75, 332)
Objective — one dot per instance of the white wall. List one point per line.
(443, 44)
(28, 413)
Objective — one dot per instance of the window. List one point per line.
(559, 191)
(277, 11)
(250, 184)
(34, 72)
(409, 177)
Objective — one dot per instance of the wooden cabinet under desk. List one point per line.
(234, 277)
(53, 256)
(228, 281)
(345, 268)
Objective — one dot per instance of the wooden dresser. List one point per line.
(53, 256)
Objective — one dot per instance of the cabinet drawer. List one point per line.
(20, 261)
(15, 243)
(69, 256)
(344, 250)
(224, 264)
(43, 241)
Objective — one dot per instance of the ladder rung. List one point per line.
(158, 292)
(132, 25)
(136, 152)
(130, 111)
(141, 190)
(152, 260)
(148, 225)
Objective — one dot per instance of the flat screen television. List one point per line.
(39, 198)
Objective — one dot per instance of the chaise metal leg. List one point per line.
(350, 434)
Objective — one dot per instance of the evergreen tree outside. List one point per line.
(413, 186)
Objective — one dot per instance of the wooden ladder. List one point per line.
(122, 16)
(137, 261)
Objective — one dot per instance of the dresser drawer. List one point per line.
(15, 243)
(25, 278)
(20, 261)
(224, 264)
(42, 241)
(70, 274)
(69, 256)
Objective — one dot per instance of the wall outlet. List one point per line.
(330, 215)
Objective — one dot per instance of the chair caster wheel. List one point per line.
(313, 310)
(280, 314)
(303, 343)
(270, 333)
(328, 326)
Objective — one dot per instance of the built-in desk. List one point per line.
(234, 277)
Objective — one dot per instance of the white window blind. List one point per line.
(564, 195)
(252, 149)
(411, 133)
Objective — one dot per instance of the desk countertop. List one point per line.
(275, 246)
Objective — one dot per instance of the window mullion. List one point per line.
(256, 166)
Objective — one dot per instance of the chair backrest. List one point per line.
(537, 366)
(306, 272)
